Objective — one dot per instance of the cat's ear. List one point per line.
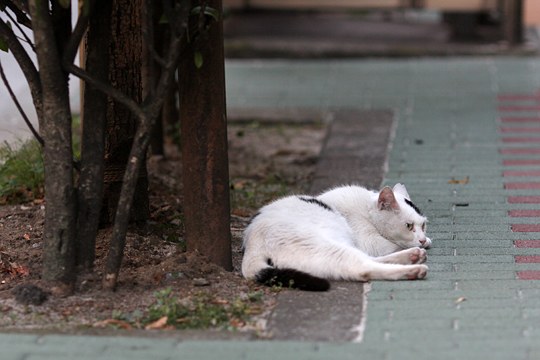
(400, 189)
(387, 200)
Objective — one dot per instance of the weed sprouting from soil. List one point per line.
(21, 172)
(202, 310)
(21, 168)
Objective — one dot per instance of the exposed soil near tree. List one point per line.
(266, 161)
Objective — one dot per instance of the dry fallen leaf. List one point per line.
(460, 299)
(158, 324)
(237, 323)
(239, 185)
(218, 301)
(12, 268)
(21, 270)
(458, 181)
(114, 322)
(26, 236)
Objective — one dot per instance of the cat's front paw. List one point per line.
(417, 272)
(417, 256)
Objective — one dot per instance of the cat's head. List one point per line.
(399, 220)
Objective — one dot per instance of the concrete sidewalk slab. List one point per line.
(354, 152)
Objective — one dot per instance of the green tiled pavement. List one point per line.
(471, 305)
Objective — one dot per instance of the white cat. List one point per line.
(347, 233)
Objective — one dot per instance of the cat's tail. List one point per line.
(292, 278)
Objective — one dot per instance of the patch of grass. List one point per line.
(202, 310)
(21, 172)
(21, 168)
(248, 195)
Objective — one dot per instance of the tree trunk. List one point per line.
(60, 217)
(154, 43)
(170, 108)
(90, 194)
(204, 142)
(125, 75)
(512, 27)
(146, 115)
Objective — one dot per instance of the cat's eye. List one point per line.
(410, 226)
(424, 227)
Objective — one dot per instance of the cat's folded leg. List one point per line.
(405, 257)
(380, 271)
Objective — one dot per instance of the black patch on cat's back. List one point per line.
(253, 218)
(411, 204)
(315, 201)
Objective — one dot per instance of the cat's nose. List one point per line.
(425, 242)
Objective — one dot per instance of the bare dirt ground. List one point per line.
(266, 161)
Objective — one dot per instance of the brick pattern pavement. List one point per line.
(456, 153)
(522, 152)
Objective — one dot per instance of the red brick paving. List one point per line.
(521, 162)
(520, 151)
(522, 186)
(521, 139)
(525, 227)
(530, 199)
(519, 108)
(527, 244)
(520, 119)
(527, 259)
(524, 213)
(528, 173)
(505, 129)
(518, 97)
(529, 275)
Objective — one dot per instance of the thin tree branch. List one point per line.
(17, 24)
(173, 55)
(74, 41)
(19, 107)
(26, 64)
(20, 9)
(106, 89)
(167, 74)
(148, 33)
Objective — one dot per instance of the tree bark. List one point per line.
(146, 115)
(204, 142)
(152, 46)
(90, 194)
(512, 27)
(60, 219)
(125, 75)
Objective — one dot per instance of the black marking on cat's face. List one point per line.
(410, 203)
(270, 262)
(316, 202)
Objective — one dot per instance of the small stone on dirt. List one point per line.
(181, 259)
(29, 294)
(201, 282)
